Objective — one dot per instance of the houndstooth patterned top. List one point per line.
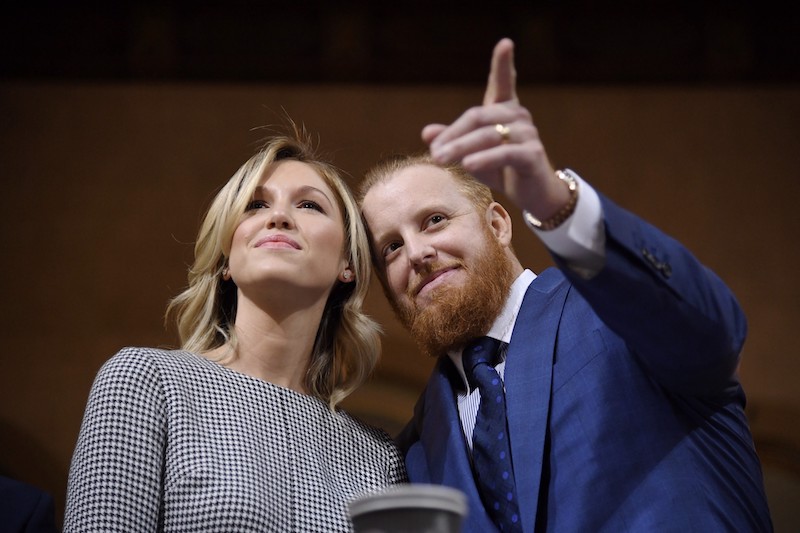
(171, 441)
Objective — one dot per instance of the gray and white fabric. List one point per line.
(171, 441)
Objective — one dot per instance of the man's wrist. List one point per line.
(563, 214)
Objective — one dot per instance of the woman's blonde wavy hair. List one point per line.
(347, 344)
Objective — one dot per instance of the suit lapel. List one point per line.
(528, 378)
(528, 381)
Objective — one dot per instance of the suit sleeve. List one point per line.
(25, 508)
(675, 314)
(115, 476)
(42, 519)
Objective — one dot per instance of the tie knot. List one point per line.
(481, 351)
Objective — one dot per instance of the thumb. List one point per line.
(431, 131)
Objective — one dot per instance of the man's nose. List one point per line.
(420, 251)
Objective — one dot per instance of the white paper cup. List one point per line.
(410, 508)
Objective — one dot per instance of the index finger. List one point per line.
(502, 83)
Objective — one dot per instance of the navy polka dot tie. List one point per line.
(491, 450)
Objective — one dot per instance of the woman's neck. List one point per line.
(274, 345)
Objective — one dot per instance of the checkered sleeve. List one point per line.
(397, 466)
(115, 479)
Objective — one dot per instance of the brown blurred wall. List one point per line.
(104, 187)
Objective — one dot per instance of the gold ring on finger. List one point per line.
(504, 131)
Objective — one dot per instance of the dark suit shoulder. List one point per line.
(25, 508)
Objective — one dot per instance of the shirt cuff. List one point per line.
(581, 239)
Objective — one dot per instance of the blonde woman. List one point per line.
(239, 430)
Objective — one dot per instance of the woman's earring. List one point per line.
(346, 275)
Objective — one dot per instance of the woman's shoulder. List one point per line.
(364, 429)
(151, 372)
(149, 363)
(375, 443)
(138, 358)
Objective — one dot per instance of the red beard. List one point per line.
(456, 315)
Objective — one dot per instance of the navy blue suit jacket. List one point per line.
(25, 508)
(624, 410)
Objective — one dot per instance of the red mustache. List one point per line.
(428, 273)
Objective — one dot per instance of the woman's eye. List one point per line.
(308, 204)
(256, 204)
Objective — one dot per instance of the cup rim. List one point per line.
(411, 495)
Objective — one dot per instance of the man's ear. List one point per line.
(499, 222)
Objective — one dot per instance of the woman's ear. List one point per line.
(346, 276)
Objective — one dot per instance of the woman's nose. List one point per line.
(279, 218)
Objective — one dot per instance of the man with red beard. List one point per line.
(615, 379)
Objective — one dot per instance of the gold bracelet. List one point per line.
(563, 214)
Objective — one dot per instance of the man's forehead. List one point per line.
(425, 171)
(414, 180)
(409, 196)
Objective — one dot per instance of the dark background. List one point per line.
(579, 41)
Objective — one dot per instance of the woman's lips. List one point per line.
(277, 241)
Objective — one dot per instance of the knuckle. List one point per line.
(473, 113)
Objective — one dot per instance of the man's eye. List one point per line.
(390, 248)
(435, 219)
(257, 204)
